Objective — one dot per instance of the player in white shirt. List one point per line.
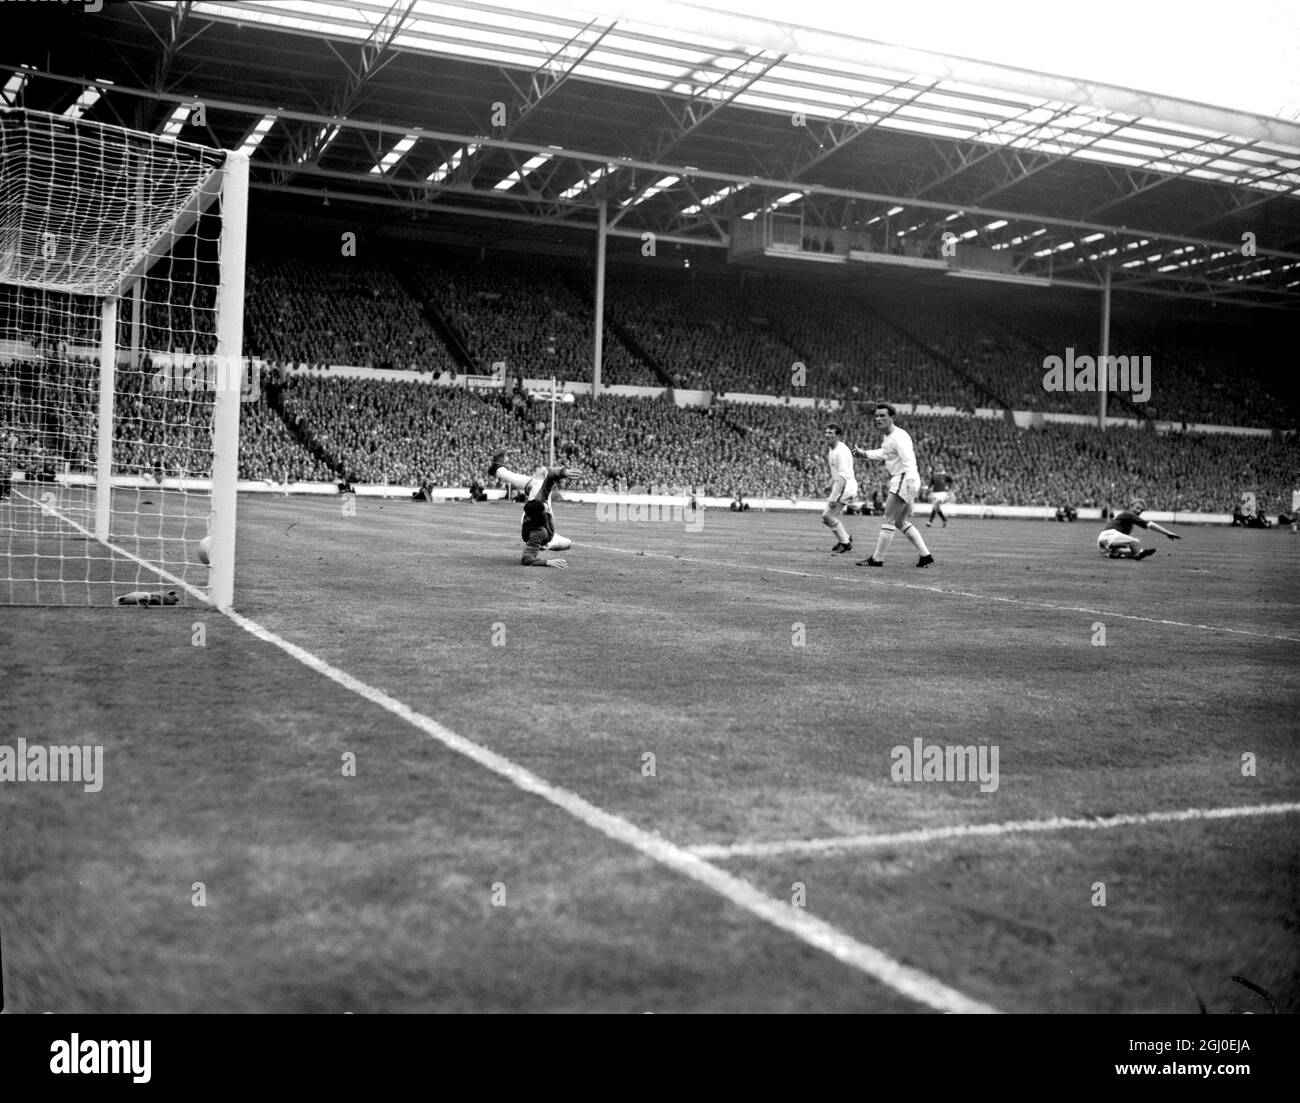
(844, 487)
(899, 457)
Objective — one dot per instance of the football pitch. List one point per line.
(713, 770)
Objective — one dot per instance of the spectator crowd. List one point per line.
(721, 331)
(344, 311)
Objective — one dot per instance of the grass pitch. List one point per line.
(770, 681)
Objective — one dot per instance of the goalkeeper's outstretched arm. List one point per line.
(1158, 528)
(535, 557)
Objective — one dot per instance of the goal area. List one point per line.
(121, 366)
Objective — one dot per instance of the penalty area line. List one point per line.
(985, 830)
(938, 590)
(815, 932)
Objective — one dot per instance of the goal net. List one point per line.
(121, 374)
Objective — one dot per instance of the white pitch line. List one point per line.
(815, 932)
(936, 590)
(935, 834)
(917, 586)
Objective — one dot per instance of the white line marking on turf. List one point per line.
(934, 834)
(916, 586)
(935, 590)
(815, 932)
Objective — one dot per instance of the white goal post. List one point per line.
(121, 364)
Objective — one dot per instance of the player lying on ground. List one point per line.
(899, 457)
(538, 528)
(844, 488)
(1118, 541)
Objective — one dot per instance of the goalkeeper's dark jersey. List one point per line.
(940, 481)
(537, 531)
(1124, 521)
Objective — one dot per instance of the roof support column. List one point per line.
(1103, 362)
(598, 346)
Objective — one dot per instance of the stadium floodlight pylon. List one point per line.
(121, 367)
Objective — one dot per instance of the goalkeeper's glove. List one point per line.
(1173, 536)
(560, 563)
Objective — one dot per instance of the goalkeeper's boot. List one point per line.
(870, 561)
(1144, 553)
(925, 561)
(842, 547)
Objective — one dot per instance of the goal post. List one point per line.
(121, 363)
(230, 361)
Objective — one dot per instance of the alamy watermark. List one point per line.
(119, 1057)
(684, 509)
(56, 763)
(185, 374)
(1100, 373)
(946, 763)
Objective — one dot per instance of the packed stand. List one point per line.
(737, 333)
(702, 332)
(269, 452)
(524, 311)
(336, 312)
(408, 434)
(179, 310)
(49, 413)
(844, 341)
(47, 322)
(1202, 374)
(651, 441)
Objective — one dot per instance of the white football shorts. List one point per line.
(1110, 539)
(906, 484)
(846, 494)
(939, 497)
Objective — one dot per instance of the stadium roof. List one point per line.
(481, 121)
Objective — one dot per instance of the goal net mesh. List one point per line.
(94, 215)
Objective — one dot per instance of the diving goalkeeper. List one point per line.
(1118, 542)
(538, 527)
